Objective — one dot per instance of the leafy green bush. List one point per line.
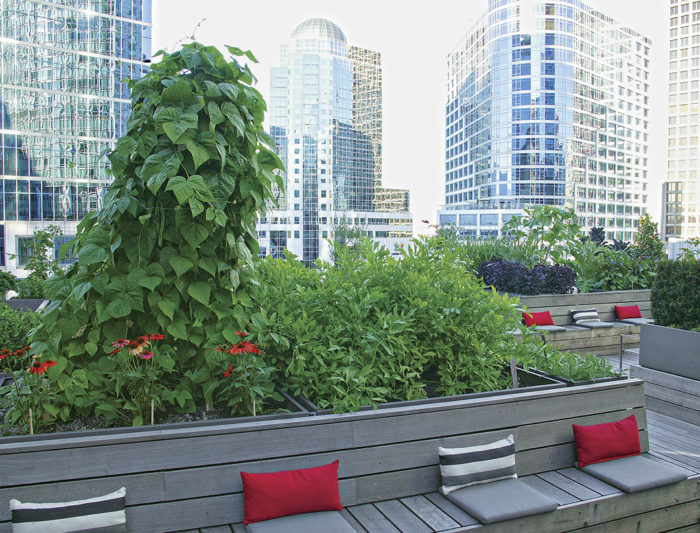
(675, 297)
(372, 328)
(602, 268)
(570, 365)
(7, 283)
(15, 327)
(172, 249)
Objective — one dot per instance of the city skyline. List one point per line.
(414, 59)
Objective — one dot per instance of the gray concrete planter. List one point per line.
(675, 351)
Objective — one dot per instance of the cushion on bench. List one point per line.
(634, 474)
(543, 318)
(106, 513)
(550, 328)
(588, 318)
(322, 522)
(501, 500)
(637, 321)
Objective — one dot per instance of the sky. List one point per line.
(414, 42)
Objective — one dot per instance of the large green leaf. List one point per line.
(118, 308)
(176, 129)
(91, 254)
(168, 169)
(200, 291)
(234, 116)
(178, 92)
(195, 234)
(200, 155)
(180, 265)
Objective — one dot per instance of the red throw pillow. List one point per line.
(627, 311)
(605, 442)
(538, 319)
(289, 492)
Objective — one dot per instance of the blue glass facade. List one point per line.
(325, 116)
(63, 105)
(548, 104)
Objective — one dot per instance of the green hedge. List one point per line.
(15, 327)
(675, 295)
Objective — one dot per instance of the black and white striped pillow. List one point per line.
(461, 467)
(584, 315)
(105, 514)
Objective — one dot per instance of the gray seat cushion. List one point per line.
(637, 321)
(550, 328)
(636, 473)
(501, 500)
(322, 522)
(595, 324)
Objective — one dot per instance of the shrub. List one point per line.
(602, 268)
(571, 365)
(15, 326)
(372, 328)
(675, 298)
(515, 278)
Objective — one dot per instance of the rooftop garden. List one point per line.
(169, 309)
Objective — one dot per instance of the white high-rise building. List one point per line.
(681, 193)
(325, 117)
(547, 103)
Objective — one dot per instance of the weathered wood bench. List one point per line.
(185, 478)
(597, 341)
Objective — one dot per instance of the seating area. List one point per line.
(188, 478)
(601, 336)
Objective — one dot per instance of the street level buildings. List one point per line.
(326, 119)
(63, 105)
(547, 104)
(680, 219)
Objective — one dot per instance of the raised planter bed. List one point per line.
(676, 351)
(575, 383)
(669, 363)
(295, 407)
(527, 380)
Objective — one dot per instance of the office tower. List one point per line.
(326, 119)
(681, 193)
(548, 104)
(63, 105)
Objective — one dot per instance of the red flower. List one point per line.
(26, 348)
(5, 351)
(156, 337)
(241, 334)
(229, 373)
(49, 364)
(37, 368)
(142, 340)
(115, 351)
(220, 349)
(19, 352)
(120, 343)
(3, 355)
(146, 355)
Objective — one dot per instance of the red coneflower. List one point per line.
(156, 337)
(19, 353)
(37, 367)
(120, 343)
(229, 373)
(115, 351)
(48, 364)
(142, 340)
(146, 355)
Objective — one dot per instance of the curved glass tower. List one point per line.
(547, 104)
(325, 116)
(63, 105)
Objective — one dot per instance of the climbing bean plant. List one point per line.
(172, 248)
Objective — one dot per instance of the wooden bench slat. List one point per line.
(670, 461)
(351, 520)
(658, 520)
(432, 515)
(449, 508)
(558, 495)
(568, 485)
(371, 519)
(402, 517)
(593, 483)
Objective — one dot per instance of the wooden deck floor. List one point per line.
(629, 357)
(670, 441)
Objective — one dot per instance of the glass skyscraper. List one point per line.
(63, 105)
(548, 103)
(326, 119)
(681, 192)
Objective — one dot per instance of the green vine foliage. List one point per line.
(172, 248)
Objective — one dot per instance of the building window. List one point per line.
(24, 250)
